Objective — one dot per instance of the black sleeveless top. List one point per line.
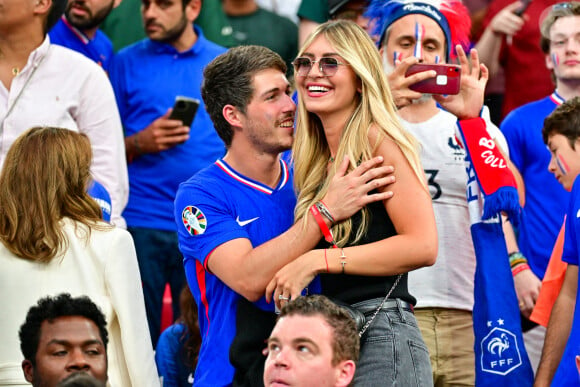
(351, 289)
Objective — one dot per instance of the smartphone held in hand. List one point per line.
(184, 109)
(447, 80)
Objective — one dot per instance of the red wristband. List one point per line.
(323, 227)
(519, 268)
(326, 260)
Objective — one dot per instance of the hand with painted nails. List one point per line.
(399, 83)
(469, 102)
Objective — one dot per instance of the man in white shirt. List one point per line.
(48, 85)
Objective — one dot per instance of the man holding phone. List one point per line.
(147, 78)
(413, 32)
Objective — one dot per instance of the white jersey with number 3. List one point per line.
(448, 283)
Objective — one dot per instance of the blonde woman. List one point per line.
(53, 241)
(346, 110)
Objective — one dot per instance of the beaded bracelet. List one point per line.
(516, 255)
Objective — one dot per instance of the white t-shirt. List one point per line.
(449, 282)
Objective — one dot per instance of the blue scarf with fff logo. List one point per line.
(500, 356)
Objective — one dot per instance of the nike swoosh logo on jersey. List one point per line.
(242, 223)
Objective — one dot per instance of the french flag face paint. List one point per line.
(437, 60)
(397, 56)
(555, 59)
(419, 34)
(562, 165)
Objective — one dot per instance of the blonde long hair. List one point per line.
(375, 107)
(45, 178)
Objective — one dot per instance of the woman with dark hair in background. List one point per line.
(178, 346)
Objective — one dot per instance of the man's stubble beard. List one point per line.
(172, 35)
(93, 21)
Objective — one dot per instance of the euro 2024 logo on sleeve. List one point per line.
(194, 220)
(499, 351)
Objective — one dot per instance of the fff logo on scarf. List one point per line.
(488, 156)
(499, 351)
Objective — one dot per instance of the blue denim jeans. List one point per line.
(393, 352)
(160, 263)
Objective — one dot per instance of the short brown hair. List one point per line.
(557, 11)
(346, 342)
(565, 120)
(228, 80)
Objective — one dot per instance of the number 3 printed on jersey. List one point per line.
(434, 187)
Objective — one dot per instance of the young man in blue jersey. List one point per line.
(561, 133)
(147, 77)
(546, 200)
(78, 29)
(235, 218)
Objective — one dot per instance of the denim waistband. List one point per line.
(372, 304)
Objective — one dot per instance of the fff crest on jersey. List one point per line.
(194, 220)
(499, 352)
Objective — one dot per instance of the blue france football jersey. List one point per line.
(546, 199)
(567, 374)
(213, 207)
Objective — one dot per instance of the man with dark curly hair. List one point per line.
(61, 336)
